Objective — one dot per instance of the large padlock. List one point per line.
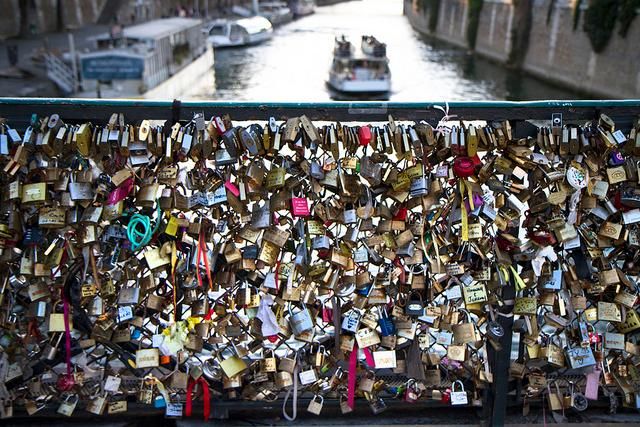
(300, 321)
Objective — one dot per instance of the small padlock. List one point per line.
(458, 397)
(315, 405)
(415, 305)
(68, 405)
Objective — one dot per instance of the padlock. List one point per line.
(68, 405)
(414, 306)
(458, 397)
(301, 321)
(80, 191)
(315, 405)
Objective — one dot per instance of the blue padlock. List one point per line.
(387, 326)
(159, 402)
(364, 291)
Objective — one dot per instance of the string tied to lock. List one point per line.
(351, 379)
(204, 257)
(140, 231)
(441, 127)
(66, 382)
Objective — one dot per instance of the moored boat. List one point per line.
(302, 7)
(156, 58)
(240, 32)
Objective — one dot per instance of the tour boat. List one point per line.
(241, 32)
(364, 70)
(302, 7)
(156, 59)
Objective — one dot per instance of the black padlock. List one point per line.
(415, 305)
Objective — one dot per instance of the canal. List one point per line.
(294, 64)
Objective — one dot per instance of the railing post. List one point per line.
(502, 359)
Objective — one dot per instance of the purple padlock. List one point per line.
(615, 158)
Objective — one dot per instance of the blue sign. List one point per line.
(112, 67)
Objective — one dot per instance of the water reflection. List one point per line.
(294, 64)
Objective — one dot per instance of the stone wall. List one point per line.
(494, 30)
(42, 15)
(452, 18)
(555, 52)
(452, 22)
(559, 53)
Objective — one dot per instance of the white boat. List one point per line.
(157, 59)
(276, 12)
(302, 7)
(364, 70)
(241, 32)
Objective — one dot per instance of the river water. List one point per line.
(294, 64)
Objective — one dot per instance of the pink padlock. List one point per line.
(232, 188)
(299, 206)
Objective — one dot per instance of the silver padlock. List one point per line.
(419, 186)
(80, 191)
(51, 349)
(300, 321)
(316, 170)
(321, 243)
(351, 322)
(68, 405)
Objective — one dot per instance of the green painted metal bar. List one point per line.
(18, 110)
(336, 105)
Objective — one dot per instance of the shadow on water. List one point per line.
(508, 84)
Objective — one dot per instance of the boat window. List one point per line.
(237, 32)
(217, 30)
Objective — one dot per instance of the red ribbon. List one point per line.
(369, 358)
(63, 259)
(202, 253)
(205, 393)
(277, 276)
(353, 366)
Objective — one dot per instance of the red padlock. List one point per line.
(401, 215)
(364, 135)
(446, 396)
(65, 382)
(463, 167)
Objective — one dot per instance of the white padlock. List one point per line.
(458, 397)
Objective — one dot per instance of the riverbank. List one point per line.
(541, 41)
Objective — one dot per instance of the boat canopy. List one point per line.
(157, 29)
(255, 24)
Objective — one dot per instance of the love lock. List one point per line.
(301, 321)
(415, 305)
